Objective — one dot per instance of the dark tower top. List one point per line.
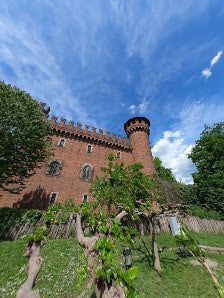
(137, 130)
(137, 124)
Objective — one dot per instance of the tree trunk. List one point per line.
(33, 253)
(219, 250)
(212, 274)
(155, 253)
(103, 290)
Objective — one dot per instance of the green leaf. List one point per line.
(132, 273)
(108, 274)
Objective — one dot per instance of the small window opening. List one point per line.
(118, 154)
(85, 198)
(62, 143)
(89, 148)
(54, 167)
(53, 197)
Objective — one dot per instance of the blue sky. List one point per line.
(103, 62)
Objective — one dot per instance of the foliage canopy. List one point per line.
(123, 191)
(208, 156)
(163, 172)
(24, 136)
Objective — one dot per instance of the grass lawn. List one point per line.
(62, 258)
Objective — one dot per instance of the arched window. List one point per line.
(118, 154)
(89, 148)
(54, 167)
(86, 172)
(61, 143)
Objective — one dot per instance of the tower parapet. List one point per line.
(85, 134)
(137, 130)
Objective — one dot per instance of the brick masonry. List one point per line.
(73, 155)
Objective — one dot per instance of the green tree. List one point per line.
(24, 136)
(123, 192)
(208, 156)
(162, 172)
(122, 195)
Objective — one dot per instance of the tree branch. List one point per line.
(87, 242)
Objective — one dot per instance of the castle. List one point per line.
(78, 156)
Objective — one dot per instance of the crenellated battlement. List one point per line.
(137, 124)
(45, 110)
(89, 135)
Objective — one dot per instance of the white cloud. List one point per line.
(216, 58)
(206, 73)
(173, 153)
(132, 109)
(175, 144)
(141, 108)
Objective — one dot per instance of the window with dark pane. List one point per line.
(62, 143)
(53, 197)
(85, 198)
(54, 168)
(86, 172)
(118, 154)
(89, 148)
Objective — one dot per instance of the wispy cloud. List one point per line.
(175, 144)
(207, 71)
(132, 109)
(141, 108)
(194, 114)
(106, 61)
(216, 58)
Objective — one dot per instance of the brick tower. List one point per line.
(137, 130)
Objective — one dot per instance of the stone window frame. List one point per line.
(118, 154)
(50, 198)
(90, 177)
(59, 168)
(59, 142)
(91, 148)
(85, 198)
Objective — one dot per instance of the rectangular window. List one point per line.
(85, 198)
(53, 198)
(89, 148)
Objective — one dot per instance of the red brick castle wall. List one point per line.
(74, 148)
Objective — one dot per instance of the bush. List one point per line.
(201, 212)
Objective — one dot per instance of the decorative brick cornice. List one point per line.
(90, 136)
(84, 134)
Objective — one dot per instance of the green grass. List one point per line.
(58, 275)
(62, 258)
